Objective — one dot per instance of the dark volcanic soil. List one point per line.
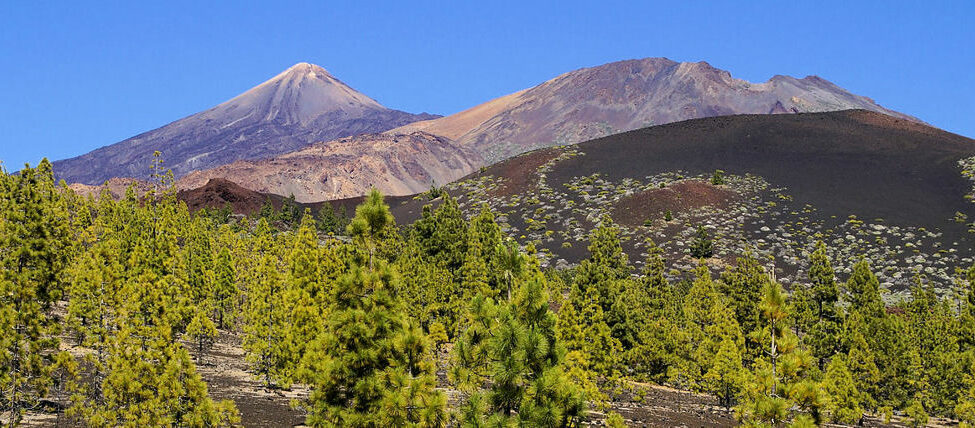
(845, 162)
(218, 192)
(850, 162)
(633, 210)
(520, 174)
(867, 184)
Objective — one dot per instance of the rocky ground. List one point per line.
(226, 372)
(745, 211)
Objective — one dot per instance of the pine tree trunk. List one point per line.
(775, 360)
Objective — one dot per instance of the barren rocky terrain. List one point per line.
(349, 167)
(625, 95)
(300, 106)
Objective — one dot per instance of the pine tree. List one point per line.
(442, 233)
(328, 221)
(31, 267)
(267, 210)
(95, 280)
(582, 327)
(372, 220)
(290, 213)
(198, 255)
(151, 386)
(633, 313)
(861, 360)
(966, 311)
(516, 348)
(225, 290)
(485, 228)
(708, 321)
(659, 337)
(801, 309)
(703, 246)
(918, 416)
(202, 332)
(965, 410)
(699, 304)
(605, 251)
(428, 290)
(474, 271)
(824, 334)
(825, 293)
(723, 379)
(919, 382)
(265, 322)
(357, 372)
(779, 383)
(843, 397)
(594, 352)
(721, 327)
(304, 296)
(863, 291)
(647, 320)
(743, 285)
(512, 264)
(369, 366)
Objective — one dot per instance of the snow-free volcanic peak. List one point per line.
(300, 106)
(573, 107)
(309, 90)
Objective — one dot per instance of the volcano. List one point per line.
(300, 106)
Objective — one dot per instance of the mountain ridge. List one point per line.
(573, 107)
(302, 105)
(570, 108)
(620, 96)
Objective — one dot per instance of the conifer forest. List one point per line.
(108, 306)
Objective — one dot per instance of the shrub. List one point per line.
(717, 178)
(702, 247)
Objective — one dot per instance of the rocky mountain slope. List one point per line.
(571, 108)
(395, 164)
(302, 105)
(116, 186)
(594, 102)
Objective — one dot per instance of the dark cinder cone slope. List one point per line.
(302, 105)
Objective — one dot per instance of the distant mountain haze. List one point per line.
(302, 105)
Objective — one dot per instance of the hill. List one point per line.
(348, 167)
(300, 106)
(217, 193)
(868, 184)
(574, 107)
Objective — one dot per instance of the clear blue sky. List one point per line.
(75, 76)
